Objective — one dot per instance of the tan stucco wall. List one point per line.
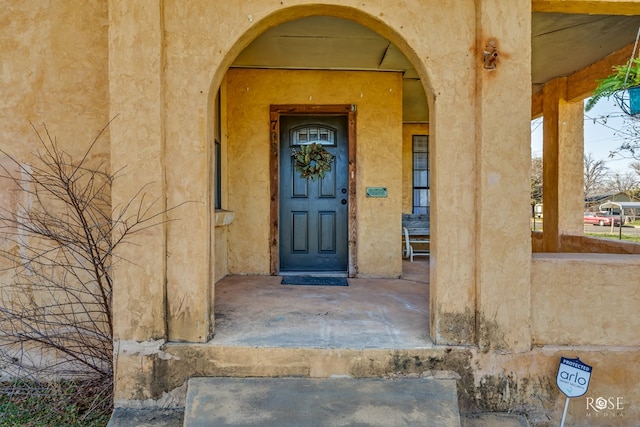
(502, 147)
(53, 73)
(221, 248)
(378, 98)
(585, 299)
(136, 95)
(408, 131)
(588, 244)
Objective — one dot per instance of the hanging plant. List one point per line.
(623, 84)
(312, 161)
(624, 78)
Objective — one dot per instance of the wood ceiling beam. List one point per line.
(580, 85)
(588, 7)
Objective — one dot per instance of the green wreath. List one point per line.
(312, 161)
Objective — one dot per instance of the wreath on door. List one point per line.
(312, 161)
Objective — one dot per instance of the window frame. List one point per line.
(217, 157)
(417, 208)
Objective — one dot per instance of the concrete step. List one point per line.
(319, 402)
(494, 419)
(148, 417)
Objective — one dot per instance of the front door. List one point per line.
(314, 214)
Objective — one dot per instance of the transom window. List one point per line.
(320, 135)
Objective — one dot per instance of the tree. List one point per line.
(595, 173)
(629, 132)
(536, 180)
(626, 183)
(55, 315)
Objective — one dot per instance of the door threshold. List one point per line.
(314, 273)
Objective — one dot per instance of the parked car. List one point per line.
(602, 218)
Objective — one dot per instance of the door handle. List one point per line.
(343, 201)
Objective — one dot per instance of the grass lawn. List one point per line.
(60, 404)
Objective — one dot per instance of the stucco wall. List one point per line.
(53, 72)
(585, 299)
(378, 97)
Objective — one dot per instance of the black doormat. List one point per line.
(315, 281)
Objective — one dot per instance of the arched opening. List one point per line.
(318, 61)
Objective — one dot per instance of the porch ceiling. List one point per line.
(561, 44)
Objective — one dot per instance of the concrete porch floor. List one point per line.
(258, 311)
(271, 333)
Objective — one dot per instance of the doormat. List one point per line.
(315, 281)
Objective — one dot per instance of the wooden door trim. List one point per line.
(348, 110)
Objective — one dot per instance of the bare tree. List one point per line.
(628, 132)
(626, 183)
(56, 315)
(595, 173)
(536, 180)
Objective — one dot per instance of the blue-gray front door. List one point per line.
(314, 214)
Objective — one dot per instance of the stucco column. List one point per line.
(563, 164)
(503, 140)
(571, 165)
(194, 54)
(135, 90)
(452, 146)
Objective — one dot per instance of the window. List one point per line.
(421, 172)
(218, 175)
(313, 135)
(217, 157)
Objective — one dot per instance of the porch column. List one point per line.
(135, 68)
(136, 102)
(503, 248)
(563, 165)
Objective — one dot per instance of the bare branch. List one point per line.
(60, 242)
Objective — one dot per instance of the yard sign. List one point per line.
(573, 380)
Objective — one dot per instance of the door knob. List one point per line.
(343, 201)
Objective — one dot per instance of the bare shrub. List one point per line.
(58, 249)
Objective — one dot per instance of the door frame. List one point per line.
(276, 111)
